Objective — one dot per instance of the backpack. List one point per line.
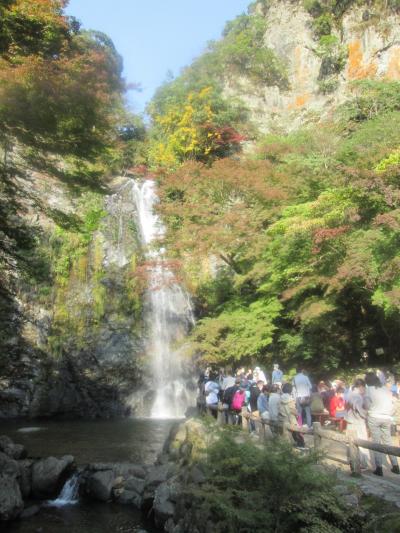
(229, 394)
(238, 400)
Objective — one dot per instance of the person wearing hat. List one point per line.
(277, 375)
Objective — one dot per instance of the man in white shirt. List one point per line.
(379, 403)
(302, 392)
(211, 390)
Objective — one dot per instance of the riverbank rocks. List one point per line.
(187, 442)
(120, 482)
(15, 451)
(100, 485)
(11, 503)
(48, 475)
(25, 477)
(157, 475)
(165, 499)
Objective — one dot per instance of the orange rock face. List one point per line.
(357, 69)
(393, 70)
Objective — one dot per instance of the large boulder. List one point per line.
(11, 503)
(131, 492)
(160, 473)
(155, 476)
(48, 475)
(165, 498)
(25, 477)
(135, 484)
(100, 484)
(15, 451)
(125, 470)
(121, 482)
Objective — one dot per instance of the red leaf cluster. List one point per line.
(326, 234)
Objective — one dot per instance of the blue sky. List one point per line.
(154, 36)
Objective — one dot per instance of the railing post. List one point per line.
(221, 415)
(245, 420)
(285, 431)
(262, 431)
(317, 436)
(354, 453)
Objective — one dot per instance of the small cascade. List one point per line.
(69, 494)
(168, 313)
(121, 212)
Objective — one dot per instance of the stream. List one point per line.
(127, 440)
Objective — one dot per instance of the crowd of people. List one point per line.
(368, 407)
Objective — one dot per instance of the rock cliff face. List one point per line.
(321, 61)
(73, 344)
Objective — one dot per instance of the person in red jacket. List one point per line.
(337, 404)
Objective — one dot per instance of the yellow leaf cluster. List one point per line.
(186, 131)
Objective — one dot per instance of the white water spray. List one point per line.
(69, 493)
(168, 312)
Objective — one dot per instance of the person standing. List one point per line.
(379, 404)
(259, 375)
(277, 375)
(302, 388)
(337, 404)
(211, 390)
(228, 381)
(255, 391)
(262, 402)
(356, 416)
(287, 414)
(273, 406)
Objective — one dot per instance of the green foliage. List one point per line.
(266, 489)
(333, 8)
(61, 115)
(371, 98)
(192, 128)
(25, 30)
(242, 51)
(191, 117)
(371, 141)
(81, 295)
(304, 239)
(71, 243)
(322, 25)
(238, 333)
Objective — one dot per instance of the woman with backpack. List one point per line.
(238, 401)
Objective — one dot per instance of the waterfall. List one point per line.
(117, 208)
(69, 493)
(168, 312)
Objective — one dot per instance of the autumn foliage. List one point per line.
(292, 253)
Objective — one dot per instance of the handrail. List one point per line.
(350, 439)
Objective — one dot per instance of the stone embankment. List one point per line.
(23, 479)
(160, 490)
(26, 482)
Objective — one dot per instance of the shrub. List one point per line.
(269, 489)
(322, 25)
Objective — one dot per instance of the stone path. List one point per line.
(386, 487)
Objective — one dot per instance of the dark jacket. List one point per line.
(254, 394)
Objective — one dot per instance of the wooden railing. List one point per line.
(350, 440)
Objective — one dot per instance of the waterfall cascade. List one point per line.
(168, 312)
(69, 494)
